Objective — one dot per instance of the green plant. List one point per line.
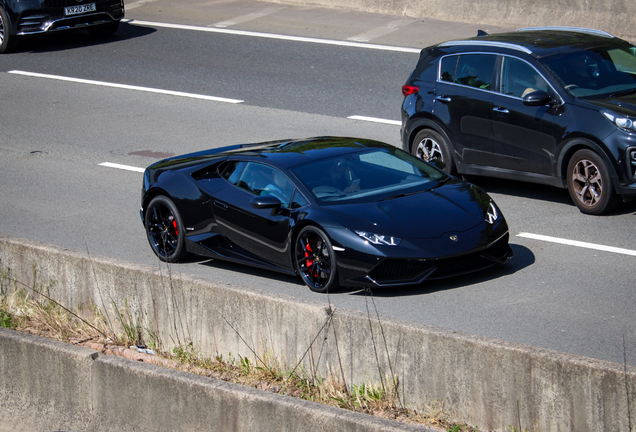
(6, 320)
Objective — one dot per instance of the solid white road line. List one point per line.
(122, 167)
(126, 86)
(375, 120)
(274, 36)
(578, 244)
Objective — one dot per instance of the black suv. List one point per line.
(549, 105)
(33, 17)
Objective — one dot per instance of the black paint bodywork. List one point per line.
(530, 142)
(33, 17)
(221, 222)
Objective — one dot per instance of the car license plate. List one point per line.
(75, 10)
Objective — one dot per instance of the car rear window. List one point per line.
(473, 70)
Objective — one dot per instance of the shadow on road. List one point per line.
(79, 39)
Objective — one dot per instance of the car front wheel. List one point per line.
(430, 145)
(7, 40)
(315, 260)
(590, 184)
(164, 229)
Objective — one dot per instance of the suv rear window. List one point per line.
(473, 70)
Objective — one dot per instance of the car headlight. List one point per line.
(621, 122)
(492, 214)
(377, 239)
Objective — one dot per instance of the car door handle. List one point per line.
(500, 110)
(220, 205)
(444, 99)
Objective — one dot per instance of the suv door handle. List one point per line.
(444, 99)
(500, 110)
(220, 205)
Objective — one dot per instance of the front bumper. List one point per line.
(51, 17)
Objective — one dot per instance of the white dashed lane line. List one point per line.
(122, 167)
(125, 86)
(375, 120)
(578, 244)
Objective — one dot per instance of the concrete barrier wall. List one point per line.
(46, 385)
(614, 16)
(486, 382)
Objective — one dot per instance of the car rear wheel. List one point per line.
(164, 229)
(316, 260)
(590, 184)
(7, 40)
(430, 145)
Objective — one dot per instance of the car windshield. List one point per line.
(375, 174)
(595, 72)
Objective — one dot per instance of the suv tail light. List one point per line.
(409, 90)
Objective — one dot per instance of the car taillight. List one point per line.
(409, 90)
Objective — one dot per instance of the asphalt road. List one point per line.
(55, 133)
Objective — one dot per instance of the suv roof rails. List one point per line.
(571, 29)
(486, 43)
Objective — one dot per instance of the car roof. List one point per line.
(282, 153)
(539, 41)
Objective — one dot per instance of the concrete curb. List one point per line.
(614, 16)
(485, 382)
(47, 385)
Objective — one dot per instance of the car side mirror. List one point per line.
(537, 98)
(267, 202)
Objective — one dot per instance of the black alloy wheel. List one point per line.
(316, 260)
(430, 145)
(165, 230)
(590, 184)
(7, 42)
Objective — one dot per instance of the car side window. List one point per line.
(261, 179)
(518, 78)
(231, 171)
(473, 70)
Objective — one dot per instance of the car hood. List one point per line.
(621, 104)
(448, 209)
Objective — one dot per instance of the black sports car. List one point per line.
(336, 211)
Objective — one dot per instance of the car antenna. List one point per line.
(482, 33)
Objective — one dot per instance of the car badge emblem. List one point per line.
(491, 214)
(454, 238)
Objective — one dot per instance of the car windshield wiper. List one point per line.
(623, 93)
(403, 195)
(441, 182)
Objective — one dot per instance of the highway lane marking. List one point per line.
(126, 87)
(122, 167)
(274, 36)
(375, 120)
(578, 244)
(249, 17)
(137, 4)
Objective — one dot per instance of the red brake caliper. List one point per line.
(308, 261)
(174, 225)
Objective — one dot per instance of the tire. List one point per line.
(164, 229)
(315, 260)
(104, 30)
(8, 41)
(590, 184)
(429, 145)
